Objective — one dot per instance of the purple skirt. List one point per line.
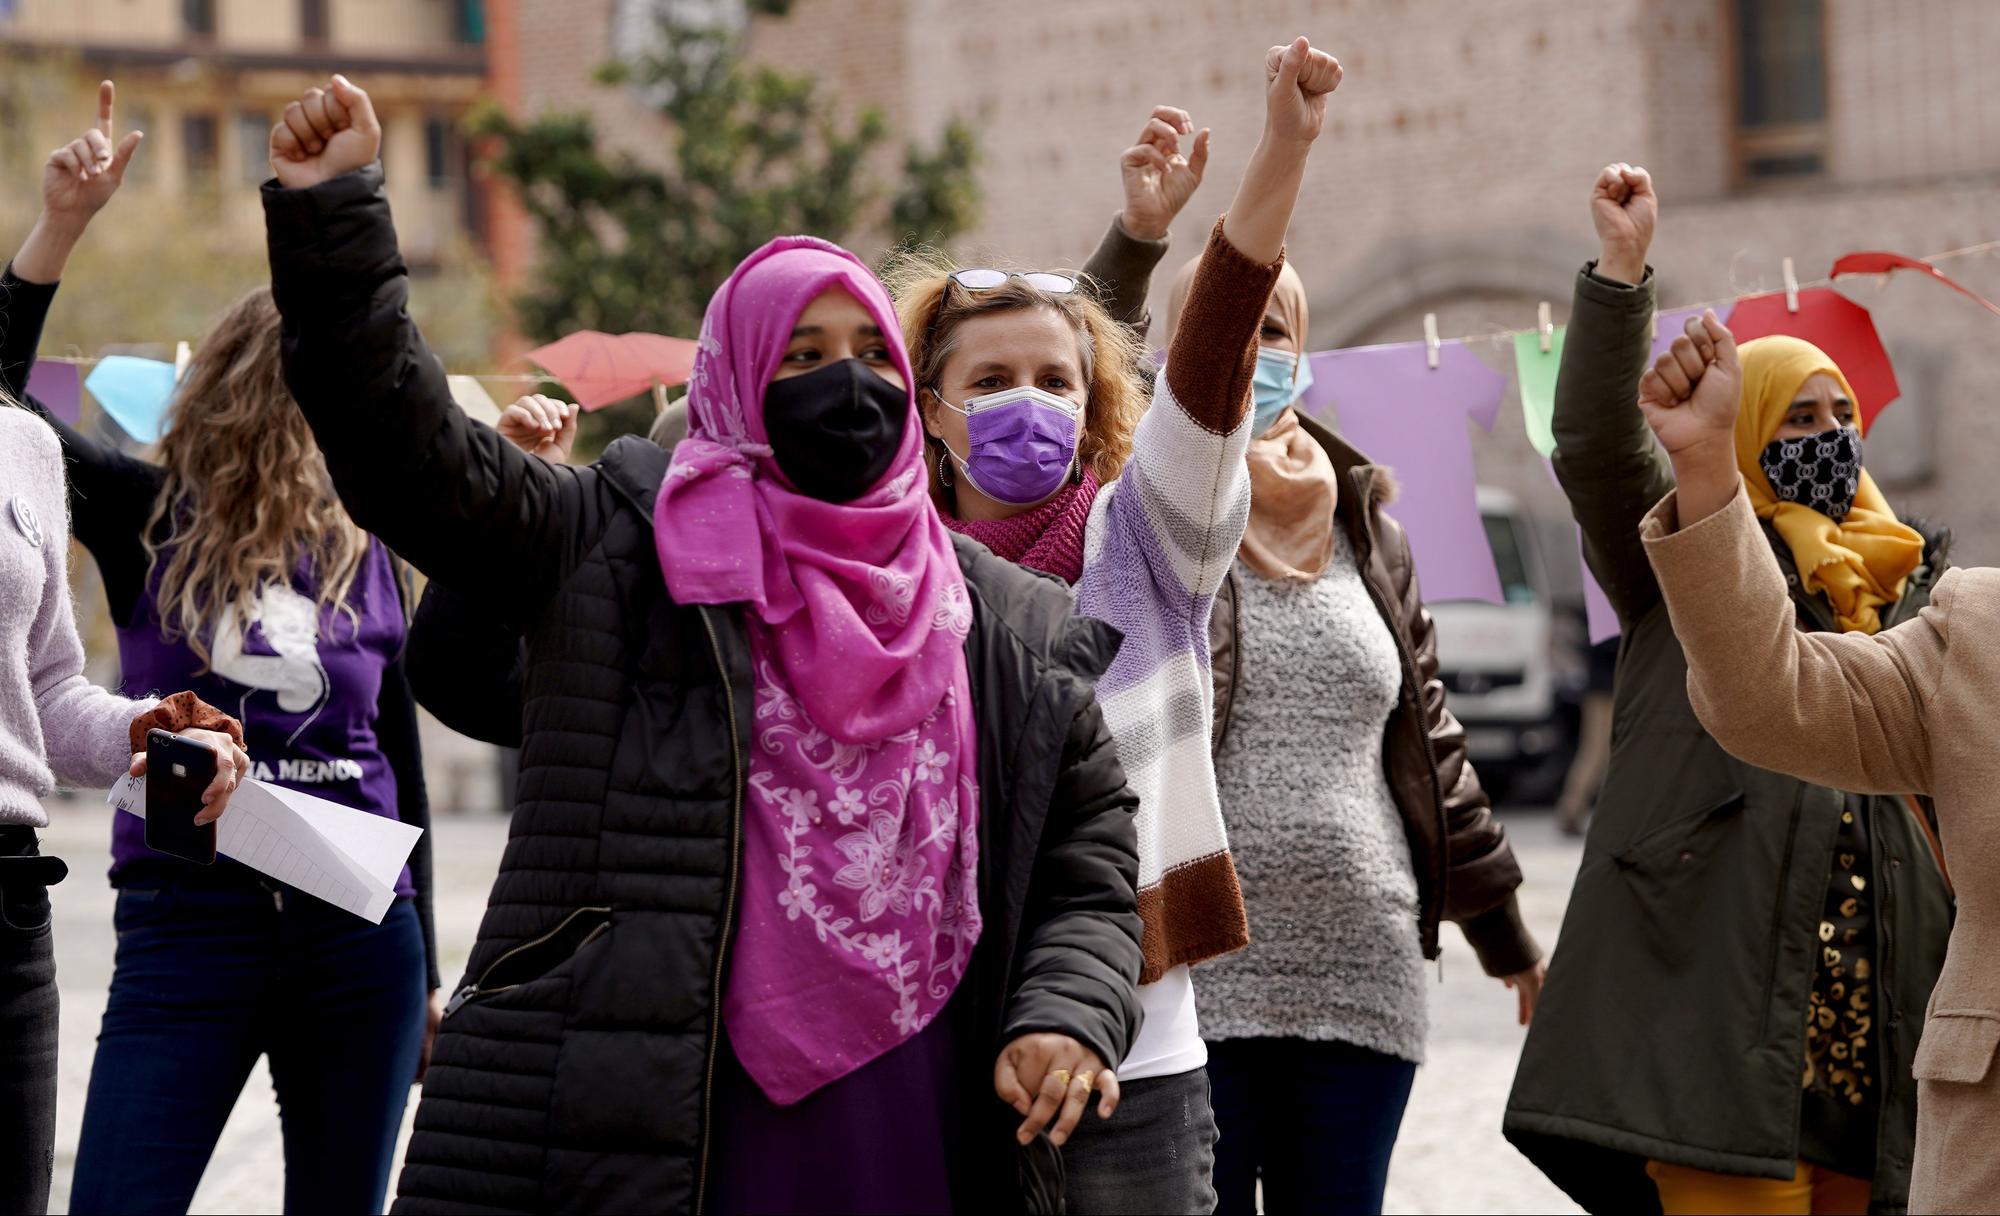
(877, 1140)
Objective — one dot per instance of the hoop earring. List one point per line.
(944, 468)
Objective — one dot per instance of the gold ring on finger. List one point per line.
(1088, 1080)
(1062, 1076)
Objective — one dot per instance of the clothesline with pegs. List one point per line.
(181, 363)
(1544, 326)
(1791, 287)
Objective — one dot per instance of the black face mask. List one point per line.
(1820, 471)
(835, 432)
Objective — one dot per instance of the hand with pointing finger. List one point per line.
(325, 133)
(1161, 172)
(82, 175)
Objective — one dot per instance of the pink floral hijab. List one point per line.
(860, 903)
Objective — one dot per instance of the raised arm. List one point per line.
(1848, 710)
(1605, 457)
(111, 493)
(1179, 508)
(447, 493)
(1160, 172)
(1213, 352)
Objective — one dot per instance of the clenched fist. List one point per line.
(1298, 80)
(1691, 394)
(325, 133)
(1625, 210)
(540, 426)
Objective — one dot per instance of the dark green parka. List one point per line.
(1673, 1024)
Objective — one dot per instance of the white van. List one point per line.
(1513, 671)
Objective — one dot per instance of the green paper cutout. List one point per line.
(1537, 376)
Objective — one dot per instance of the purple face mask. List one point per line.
(1022, 443)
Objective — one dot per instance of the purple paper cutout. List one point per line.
(1670, 325)
(1598, 613)
(1411, 418)
(59, 389)
(1600, 617)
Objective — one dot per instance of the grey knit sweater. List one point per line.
(1334, 951)
(55, 725)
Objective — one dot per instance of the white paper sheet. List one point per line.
(349, 858)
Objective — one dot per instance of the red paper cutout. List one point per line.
(603, 369)
(1838, 326)
(1876, 262)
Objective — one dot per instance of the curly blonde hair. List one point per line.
(931, 317)
(247, 497)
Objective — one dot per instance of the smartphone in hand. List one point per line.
(177, 771)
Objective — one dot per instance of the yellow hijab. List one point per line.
(1861, 563)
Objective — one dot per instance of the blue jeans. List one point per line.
(1156, 1153)
(1315, 1121)
(209, 978)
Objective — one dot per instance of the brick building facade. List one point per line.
(1459, 154)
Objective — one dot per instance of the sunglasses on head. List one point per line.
(980, 278)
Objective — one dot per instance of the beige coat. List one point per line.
(1915, 709)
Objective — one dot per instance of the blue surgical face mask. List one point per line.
(1282, 378)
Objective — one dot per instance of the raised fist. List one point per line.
(82, 175)
(1298, 81)
(1162, 172)
(1691, 394)
(540, 426)
(325, 133)
(1624, 209)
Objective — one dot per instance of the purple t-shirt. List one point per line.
(305, 682)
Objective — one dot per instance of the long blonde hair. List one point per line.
(931, 317)
(247, 497)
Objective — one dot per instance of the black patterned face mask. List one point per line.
(1820, 471)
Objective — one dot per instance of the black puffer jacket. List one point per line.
(572, 1073)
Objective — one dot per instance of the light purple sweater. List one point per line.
(56, 727)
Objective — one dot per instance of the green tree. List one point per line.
(757, 151)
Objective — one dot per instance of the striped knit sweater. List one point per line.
(1159, 543)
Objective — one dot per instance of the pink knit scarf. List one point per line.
(1048, 538)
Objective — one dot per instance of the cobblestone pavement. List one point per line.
(1451, 1157)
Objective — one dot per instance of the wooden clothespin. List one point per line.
(1545, 322)
(1431, 343)
(182, 357)
(659, 398)
(1791, 287)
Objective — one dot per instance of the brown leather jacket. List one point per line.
(1465, 868)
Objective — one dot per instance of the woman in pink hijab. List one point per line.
(820, 890)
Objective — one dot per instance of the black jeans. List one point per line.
(1315, 1122)
(27, 1022)
(1155, 1154)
